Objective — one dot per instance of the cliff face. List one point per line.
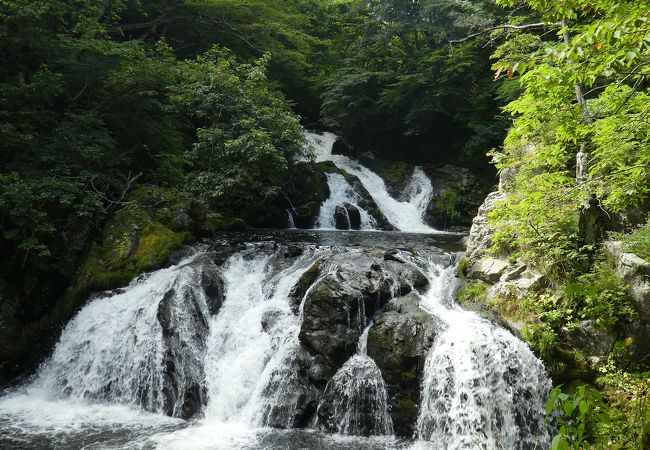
(506, 284)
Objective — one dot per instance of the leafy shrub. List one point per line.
(639, 242)
(473, 291)
(599, 295)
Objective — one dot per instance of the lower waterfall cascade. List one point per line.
(221, 343)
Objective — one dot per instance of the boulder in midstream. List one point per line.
(181, 308)
(399, 341)
(343, 291)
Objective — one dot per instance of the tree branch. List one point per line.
(528, 26)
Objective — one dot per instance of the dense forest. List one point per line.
(186, 117)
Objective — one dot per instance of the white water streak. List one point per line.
(404, 215)
(341, 192)
(241, 356)
(482, 387)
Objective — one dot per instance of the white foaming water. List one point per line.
(482, 387)
(341, 192)
(358, 395)
(242, 356)
(404, 215)
(113, 350)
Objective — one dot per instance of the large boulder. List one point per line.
(341, 219)
(481, 233)
(339, 295)
(399, 341)
(354, 215)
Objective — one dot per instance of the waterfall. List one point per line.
(341, 193)
(220, 344)
(115, 348)
(405, 215)
(482, 386)
(252, 336)
(290, 222)
(357, 393)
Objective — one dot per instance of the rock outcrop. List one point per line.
(183, 388)
(398, 341)
(341, 293)
(635, 271)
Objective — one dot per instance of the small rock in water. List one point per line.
(393, 255)
(341, 219)
(293, 250)
(354, 216)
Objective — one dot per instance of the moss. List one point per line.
(472, 292)
(462, 267)
(448, 203)
(217, 222)
(139, 237)
(396, 174)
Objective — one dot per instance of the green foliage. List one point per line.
(615, 417)
(599, 295)
(622, 421)
(447, 204)
(600, 50)
(571, 419)
(639, 242)
(246, 134)
(545, 342)
(401, 82)
(93, 104)
(471, 292)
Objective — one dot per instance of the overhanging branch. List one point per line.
(528, 26)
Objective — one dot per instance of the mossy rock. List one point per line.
(396, 174)
(217, 222)
(140, 237)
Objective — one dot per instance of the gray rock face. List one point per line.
(346, 217)
(179, 309)
(635, 271)
(596, 344)
(480, 236)
(398, 341)
(340, 294)
(341, 219)
(354, 216)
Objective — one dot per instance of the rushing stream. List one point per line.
(267, 346)
(405, 215)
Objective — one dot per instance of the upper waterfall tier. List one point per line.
(405, 215)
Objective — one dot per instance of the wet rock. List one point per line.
(354, 401)
(398, 342)
(293, 404)
(593, 342)
(347, 289)
(183, 314)
(354, 216)
(393, 255)
(213, 287)
(293, 251)
(340, 147)
(184, 394)
(341, 219)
